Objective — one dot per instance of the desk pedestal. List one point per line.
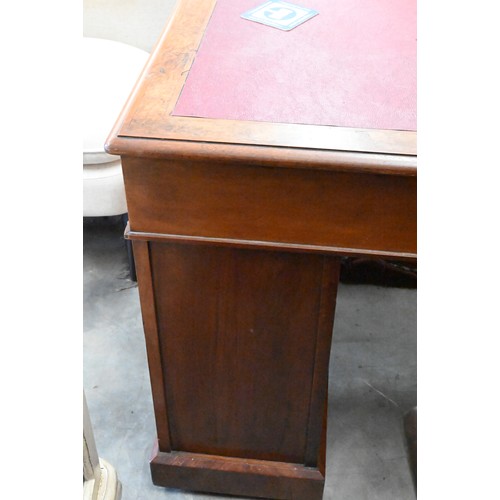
(238, 223)
(238, 343)
(238, 268)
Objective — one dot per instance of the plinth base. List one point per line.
(237, 476)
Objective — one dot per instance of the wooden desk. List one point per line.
(238, 225)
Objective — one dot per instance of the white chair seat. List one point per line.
(110, 71)
(103, 190)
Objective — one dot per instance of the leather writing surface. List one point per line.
(353, 65)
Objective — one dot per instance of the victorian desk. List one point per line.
(253, 159)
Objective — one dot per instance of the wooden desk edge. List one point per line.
(266, 156)
(266, 245)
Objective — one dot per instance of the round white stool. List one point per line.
(110, 70)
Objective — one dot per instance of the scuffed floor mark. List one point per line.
(381, 393)
(133, 285)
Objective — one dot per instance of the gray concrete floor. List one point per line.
(372, 380)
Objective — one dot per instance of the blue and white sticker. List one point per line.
(282, 15)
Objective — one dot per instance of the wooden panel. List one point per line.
(245, 358)
(367, 213)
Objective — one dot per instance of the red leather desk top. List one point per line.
(353, 65)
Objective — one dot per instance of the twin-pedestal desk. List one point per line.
(253, 159)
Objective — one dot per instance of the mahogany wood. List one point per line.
(312, 159)
(231, 369)
(238, 345)
(150, 324)
(236, 476)
(332, 210)
(238, 228)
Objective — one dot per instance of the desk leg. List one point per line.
(238, 346)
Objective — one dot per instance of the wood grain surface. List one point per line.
(238, 228)
(238, 329)
(374, 214)
(233, 476)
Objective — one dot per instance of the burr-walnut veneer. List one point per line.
(238, 227)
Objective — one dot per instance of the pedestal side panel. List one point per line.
(238, 334)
